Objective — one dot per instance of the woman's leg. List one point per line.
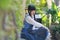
(29, 36)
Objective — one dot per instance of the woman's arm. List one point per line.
(35, 23)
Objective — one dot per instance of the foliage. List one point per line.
(5, 3)
(54, 12)
(16, 7)
(42, 9)
(43, 3)
(56, 29)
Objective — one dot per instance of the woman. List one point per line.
(32, 29)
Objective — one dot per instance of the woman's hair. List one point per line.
(30, 8)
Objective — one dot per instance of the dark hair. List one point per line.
(31, 7)
(30, 15)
